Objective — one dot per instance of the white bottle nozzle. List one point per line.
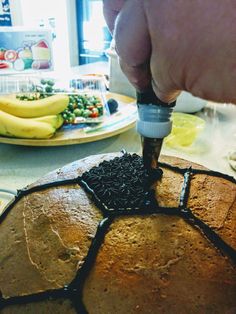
(153, 116)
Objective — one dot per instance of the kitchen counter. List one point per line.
(22, 165)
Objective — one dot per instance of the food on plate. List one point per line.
(12, 126)
(55, 120)
(80, 104)
(35, 119)
(83, 105)
(36, 108)
(99, 237)
(112, 105)
(47, 99)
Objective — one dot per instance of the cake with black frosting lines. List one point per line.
(101, 235)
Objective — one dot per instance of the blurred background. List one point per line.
(80, 35)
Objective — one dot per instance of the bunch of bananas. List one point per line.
(32, 119)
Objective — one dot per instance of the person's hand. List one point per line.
(177, 45)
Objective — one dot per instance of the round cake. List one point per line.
(103, 236)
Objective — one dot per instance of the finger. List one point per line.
(164, 69)
(139, 76)
(133, 43)
(111, 9)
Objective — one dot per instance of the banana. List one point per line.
(35, 108)
(55, 120)
(12, 126)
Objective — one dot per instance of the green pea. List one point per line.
(50, 82)
(71, 107)
(100, 109)
(48, 89)
(72, 116)
(86, 113)
(77, 112)
(72, 98)
(43, 81)
(80, 106)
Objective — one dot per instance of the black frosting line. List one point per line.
(181, 211)
(36, 297)
(210, 234)
(8, 208)
(214, 174)
(77, 180)
(74, 290)
(170, 211)
(38, 188)
(198, 171)
(76, 286)
(41, 187)
(95, 198)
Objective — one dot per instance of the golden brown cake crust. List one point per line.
(147, 264)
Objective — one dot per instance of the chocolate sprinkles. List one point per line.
(119, 187)
(122, 183)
